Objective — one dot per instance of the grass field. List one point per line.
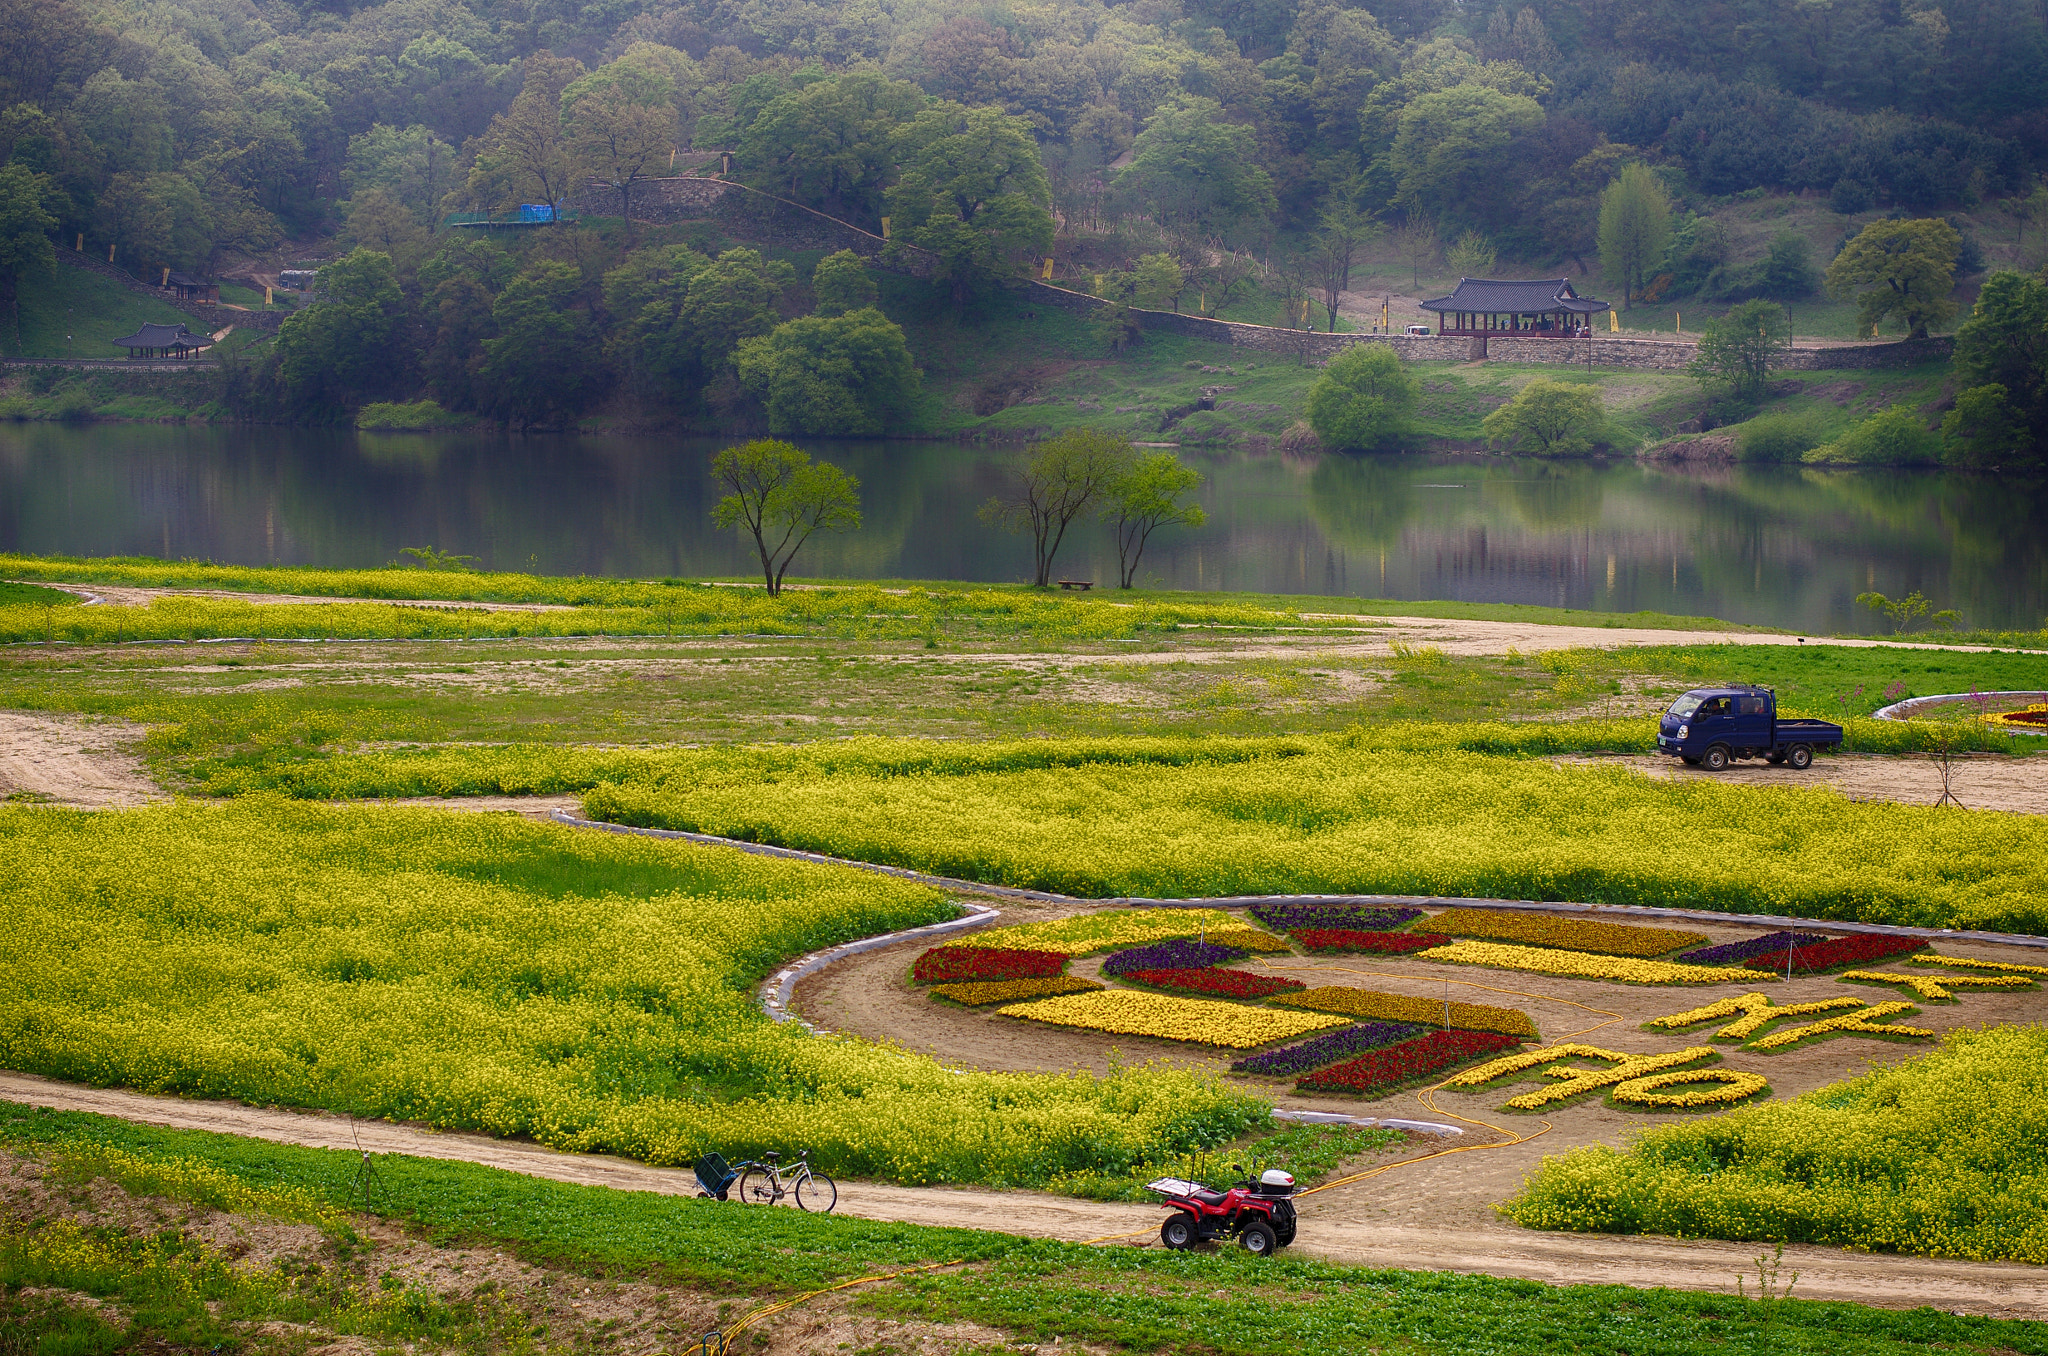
(92, 309)
(1142, 1301)
(589, 991)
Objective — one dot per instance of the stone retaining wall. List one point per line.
(213, 318)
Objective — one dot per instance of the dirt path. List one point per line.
(1355, 1226)
(1986, 781)
(126, 595)
(71, 763)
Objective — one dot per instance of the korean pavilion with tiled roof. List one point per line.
(1546, 308)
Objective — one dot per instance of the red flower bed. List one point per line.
(1216, 983)
(1378, 1071)
(1381, 943)
(1858, 950)
(951, 964)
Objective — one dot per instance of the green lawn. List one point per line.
(93, 309)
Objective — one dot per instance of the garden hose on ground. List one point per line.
(718, 1342)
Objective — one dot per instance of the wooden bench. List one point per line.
(1077, 583)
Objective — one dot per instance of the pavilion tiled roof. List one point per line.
(1497, 296)
(163, 336)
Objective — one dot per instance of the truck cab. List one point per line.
(1711, 727)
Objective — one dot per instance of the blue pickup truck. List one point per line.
(1710, 727)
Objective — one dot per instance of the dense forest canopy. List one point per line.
(182, 126)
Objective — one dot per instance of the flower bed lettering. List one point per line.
(1215, 983)
(1012, 990)
(1972, 963)
(1833, 955)
(1395, 1007)
(1571, 1082)
(953, 964)
(1332, 914)
(1130, 1012)
(1320, 1051)
(1937, 988)
(1730, 1087)
(1180, 955)
(1381, 1071)
(1754, 1012)
(1373, 943)
(1868, 1022)
(1734, 953)
(1575, 964)
(1567, 934)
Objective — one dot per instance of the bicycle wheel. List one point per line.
(817, 1192)
(757, 1187)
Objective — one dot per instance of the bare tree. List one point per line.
(1064, 478)
(1417, 240)
(1345, 231)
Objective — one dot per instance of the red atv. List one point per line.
(1260, 1214)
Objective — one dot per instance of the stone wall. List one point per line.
(213, 318)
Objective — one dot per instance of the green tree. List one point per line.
(1363, 398)
(1738, 351)
(156, 219)
(1451, 148)
(523, 155)
(24, 229)
(2004, 344)
(730, 299)
(841, 283)
(411, 163)
(539, 367)
(378, 220)
(650, 340)
(347, 347)
(1150, 494)
(1064, 478)
(1157, 282)
(1549, 419)
(1635, 229)
(1787, 273)
(1899, 268)
(829, 145)
(619, 121)
(1345, 230)
(1418, 243)
(845, 376)
(1198, 173)
(782, 498)
(973, 193)
(1474, 256)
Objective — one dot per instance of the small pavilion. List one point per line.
(188, 288)
(1540, 308)
(164, 341)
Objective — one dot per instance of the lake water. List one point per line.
(1782, 547)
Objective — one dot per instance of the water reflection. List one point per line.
(1780, 546)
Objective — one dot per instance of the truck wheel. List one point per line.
(1715, 759)
(1688, 760)
(1257, 1239)
(1178, 1233)
(1800, 757)
(1774, 758)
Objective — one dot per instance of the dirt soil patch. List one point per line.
(1986, 781)
(72, 763)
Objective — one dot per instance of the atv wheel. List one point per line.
(1258, 1239)
(1178, 1233)
(1287, 1234)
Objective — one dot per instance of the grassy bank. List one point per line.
(1141, 1301)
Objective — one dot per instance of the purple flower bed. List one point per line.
(1312, 914)
(1338, 1045)
(1734, 953)
(1181, 955)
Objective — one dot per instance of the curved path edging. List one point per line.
(1905, 709)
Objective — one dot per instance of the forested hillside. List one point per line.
(1197, 136)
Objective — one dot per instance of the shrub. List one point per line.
(421, 415)
(1548, 419)
(1777, 437)
(1893, 437)
(1363, 399)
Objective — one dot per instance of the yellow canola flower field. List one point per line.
(1756, 1011)
(1131, 1012)
(1937, 988)
(1188, 819)
(1569, 934)
(591, 991)
(1579, 965)
(1106, 930)
(1369, 1005)
(1941, 1155)
(982, 992)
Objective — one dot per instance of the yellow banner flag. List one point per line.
(1613, 323)
(885, 228)
(1048, 269)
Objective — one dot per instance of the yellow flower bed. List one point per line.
(1757, 1012)
(1577, 964)
(1108, 930)
(1570, 1082)
(1868, 1022)
(1735, 1086)
(1971, 963)
(1398, 1007)
(1129, 1012)
(980, 993)
(1937, 988)
(1568, 934)
(1251, 939)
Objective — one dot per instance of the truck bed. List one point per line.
(1809, 732)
